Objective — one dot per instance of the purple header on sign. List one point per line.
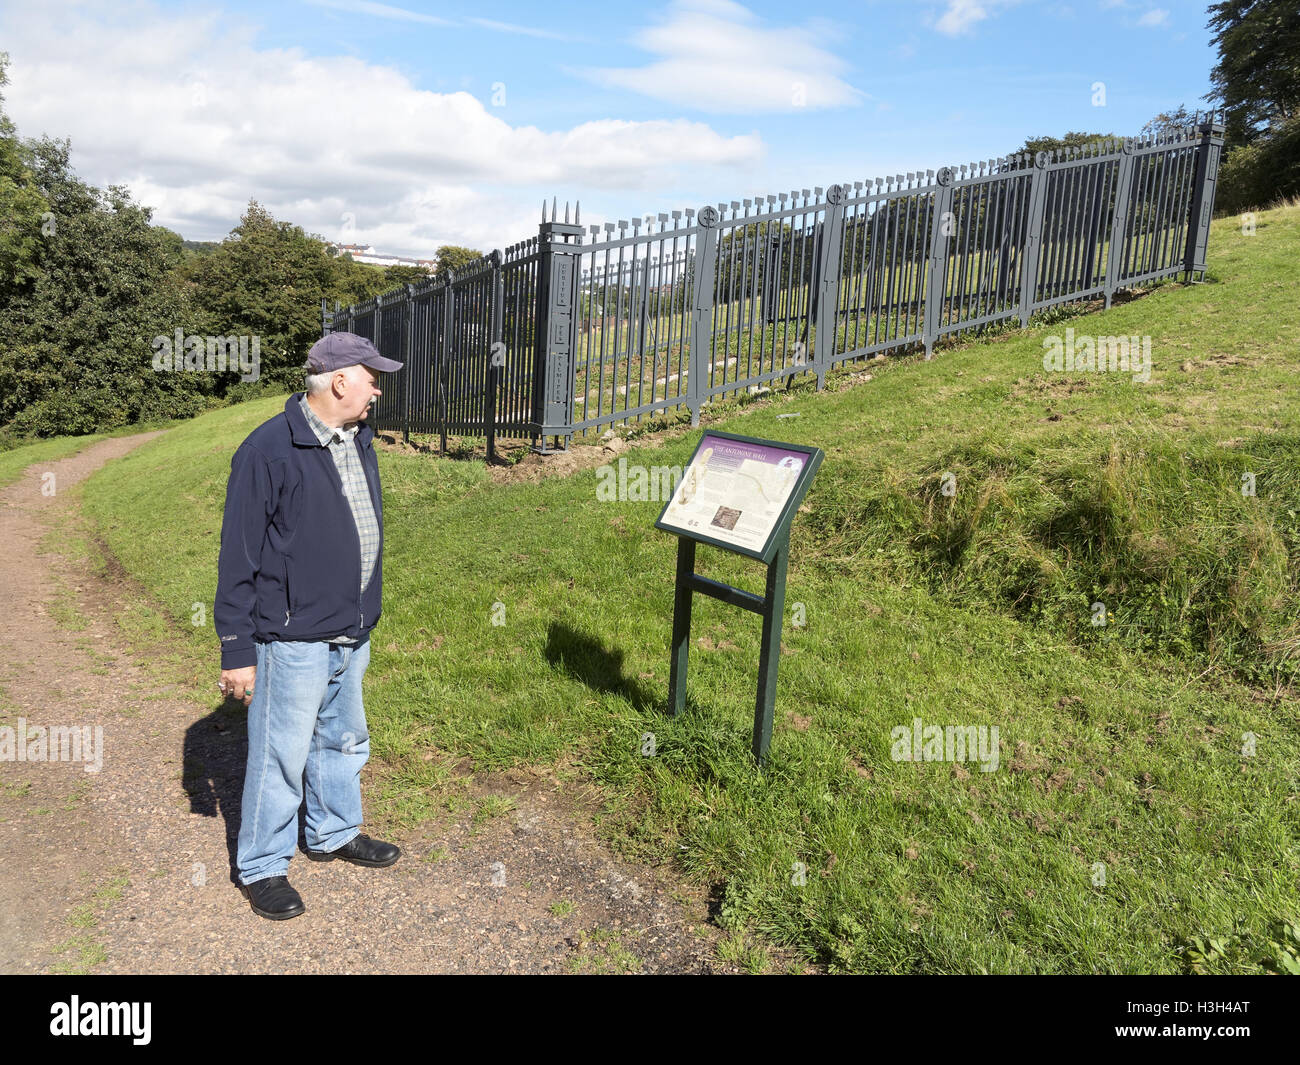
(728, 453)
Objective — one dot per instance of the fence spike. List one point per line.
(553, 202)
(577, 212)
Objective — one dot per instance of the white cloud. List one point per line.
(717, 56)
(1155, 17)
(960, 15)
(183, 107)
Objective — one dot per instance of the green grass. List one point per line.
(18, 453)
(82, 951)
(1120, 744)
(14, 461)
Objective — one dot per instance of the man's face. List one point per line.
(362, 388)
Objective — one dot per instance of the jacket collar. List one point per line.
(301, 432)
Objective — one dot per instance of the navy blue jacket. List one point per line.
(290, 563)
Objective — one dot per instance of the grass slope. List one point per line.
(1124, 829)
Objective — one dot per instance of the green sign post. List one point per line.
(739, 493)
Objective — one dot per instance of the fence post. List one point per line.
(701, 339)
(377, 330)
(440, 389)
(1033, 237)
(1119, 223)
(496, 330)
(407, 346)
(556, 331)
(830, 263)
(934, 285)
(1207, 180)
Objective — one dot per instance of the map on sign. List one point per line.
(734, 491)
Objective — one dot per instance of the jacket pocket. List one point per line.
(290, 606)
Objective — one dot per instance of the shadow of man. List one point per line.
(213, 764)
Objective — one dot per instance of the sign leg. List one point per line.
(681, 625)
(770, 652)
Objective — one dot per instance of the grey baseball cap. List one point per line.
(337, 350)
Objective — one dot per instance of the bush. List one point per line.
(1256, 175)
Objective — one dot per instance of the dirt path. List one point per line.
(128, 869)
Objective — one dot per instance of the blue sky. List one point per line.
(411, 125)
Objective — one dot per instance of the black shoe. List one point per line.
(274, 899)
(361, 850)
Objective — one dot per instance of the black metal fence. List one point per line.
(572, 330)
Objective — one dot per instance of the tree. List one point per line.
(451, 257)
(1257, 77)
(397, 276)
(1168, 122)
(1257, 82)
(23, 210)
(266, 279)
(1034, 145)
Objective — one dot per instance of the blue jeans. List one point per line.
(305, 717)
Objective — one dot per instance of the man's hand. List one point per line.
(239, 683)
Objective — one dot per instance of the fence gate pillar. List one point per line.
(1034, 214)
(1119, 223)
(556, 336)
(701, 338)
(829, 264)
(1207, 178)
(934, 286)
(407, 347)
(496, 355)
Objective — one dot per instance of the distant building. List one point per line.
(365, 253)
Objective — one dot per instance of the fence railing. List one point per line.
(573, 330)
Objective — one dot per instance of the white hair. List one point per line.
(319, 382)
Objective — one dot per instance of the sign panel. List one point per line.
(737, 490)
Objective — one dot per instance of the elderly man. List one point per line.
(298, 591)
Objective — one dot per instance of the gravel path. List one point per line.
(129, 869)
